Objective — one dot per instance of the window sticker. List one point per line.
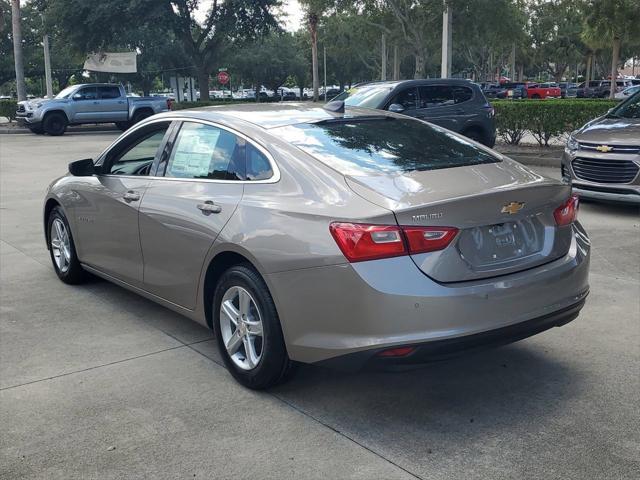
(194, 152)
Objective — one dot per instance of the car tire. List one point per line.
(139, 116)
(475, 135)
(62, 249)
(55, 124)
(37, 130)
(257, 361)
(536, 96)
(123, 126)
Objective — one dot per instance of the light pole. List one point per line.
(17, 50)
(47, 66)
(447, 37)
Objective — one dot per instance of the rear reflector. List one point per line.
(397, 352)
(567, 213)
(360, 242)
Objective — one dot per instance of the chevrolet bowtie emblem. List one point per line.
(513, 207)
(604, 148)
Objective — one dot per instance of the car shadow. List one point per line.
(466, 399)
(608, 208)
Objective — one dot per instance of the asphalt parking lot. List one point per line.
(96, 382)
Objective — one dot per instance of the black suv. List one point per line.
(458, 105)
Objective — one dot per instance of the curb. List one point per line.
(72, 129)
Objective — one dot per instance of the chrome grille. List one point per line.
(593, 147)
(605, 171)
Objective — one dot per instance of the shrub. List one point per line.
(8, 109)
(545, 119)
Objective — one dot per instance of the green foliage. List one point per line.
(545, 119)
(8, 109)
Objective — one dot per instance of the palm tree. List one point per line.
(610, 23)
(314, 9)
(17, 49)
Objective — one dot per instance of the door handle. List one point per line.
(131, 196)
(208, 207)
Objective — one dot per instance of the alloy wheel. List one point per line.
(241, 328)
(60, 245)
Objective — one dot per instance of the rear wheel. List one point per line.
(62, 249)
(55, 124)
(247, 330)
(475, 135)
(123, 126)
(139, 116)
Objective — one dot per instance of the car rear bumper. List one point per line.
(443, 349)
(337, 310)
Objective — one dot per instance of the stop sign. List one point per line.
(223, 78)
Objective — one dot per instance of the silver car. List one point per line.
(602, 159)
(351, 239)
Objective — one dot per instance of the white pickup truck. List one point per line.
(87, 103)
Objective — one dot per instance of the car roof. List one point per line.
(272, 115)
(419, 81)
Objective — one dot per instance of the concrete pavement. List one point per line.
(96, 382)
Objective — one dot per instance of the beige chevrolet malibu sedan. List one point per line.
(348, 238)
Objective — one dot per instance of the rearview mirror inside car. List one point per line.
(396, 108)
(82, 168)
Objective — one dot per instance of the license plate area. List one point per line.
(501, 243)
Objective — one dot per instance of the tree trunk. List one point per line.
(614, 66)
(396, 63)
(588, 74)
(383, 58)
(420, 62)
(17, 50)
(313, 30)
(203, 84)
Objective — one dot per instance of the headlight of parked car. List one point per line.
(572, 143)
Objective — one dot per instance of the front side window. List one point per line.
(630, 108)
(137, 158)
(86, 93)
(436, 96)
(383, 145)
(206, 152)
(371, 96)
(408, 98)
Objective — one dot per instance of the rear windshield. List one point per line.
(383, 145)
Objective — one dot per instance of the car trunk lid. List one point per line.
(504, 213)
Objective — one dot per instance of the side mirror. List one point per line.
(77, 96)
(82, 168)
(396, 108)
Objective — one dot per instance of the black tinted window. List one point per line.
(408, 98)
(383, 145)
(86, 93)
(462, 94)
(629, 108)
(204, 151)
(109, 92)
(258, 166)
(137, 157)
(436, 96)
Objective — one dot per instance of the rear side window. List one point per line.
(462, 94)
(383, 145)
(436, 96)
(108, 92)
(258, 166)
(205, 152)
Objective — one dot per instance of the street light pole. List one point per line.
(17, 50)
(324, 49)
(447, 37)
(47, 66)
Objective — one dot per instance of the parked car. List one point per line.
(602, 159)
(344, 237)
(458, 105)
(627, 92)
(511, 90)
(88, 103)
(568, 90)
(542, 90)
(600, 88)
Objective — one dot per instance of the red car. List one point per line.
(543, 90)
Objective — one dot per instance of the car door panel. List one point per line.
(85, 107)
(176, 234)
(112, 107)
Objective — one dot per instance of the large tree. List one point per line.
(314, 10)
(612, 23)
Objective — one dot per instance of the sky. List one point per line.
(292, 9)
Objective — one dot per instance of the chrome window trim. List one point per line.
(275, 177)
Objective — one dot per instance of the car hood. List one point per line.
(624, 131)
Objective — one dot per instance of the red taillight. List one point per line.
(367, 242)
(397, 352)
(359, 242)
(428, 239)
(568, 212)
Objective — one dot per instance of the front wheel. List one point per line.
(55, 124)
(37, 130)
(247, 330)
(63, 250)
